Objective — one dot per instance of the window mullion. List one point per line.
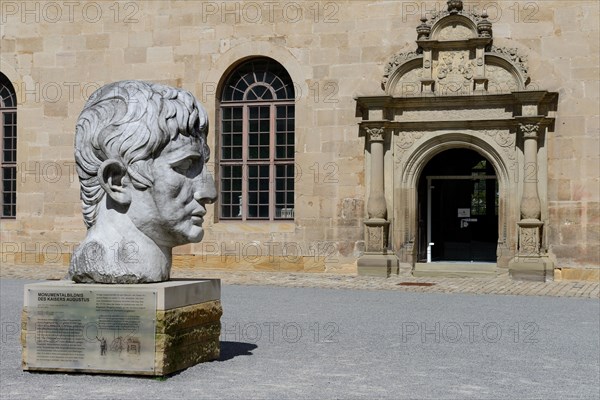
(2, 162)
(272, 115)
(245, 167)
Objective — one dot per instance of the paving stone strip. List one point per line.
(501, 284)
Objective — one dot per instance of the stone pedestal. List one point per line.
(376, 261)
(382, 265)
(531, 264)
(539, 269)
(376, 235)
(147, 329)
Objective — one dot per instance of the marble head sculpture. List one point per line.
(141, 151)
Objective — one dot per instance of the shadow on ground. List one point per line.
(230, 350)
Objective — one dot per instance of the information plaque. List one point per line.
(107, 329)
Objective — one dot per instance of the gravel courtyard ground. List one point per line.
(375, 339)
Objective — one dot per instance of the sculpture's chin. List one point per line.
(180, 237)
(195, 235)
(197, 238)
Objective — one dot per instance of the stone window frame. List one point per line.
(256, 181)
(8, 148)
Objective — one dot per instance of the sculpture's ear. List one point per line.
(112, 176)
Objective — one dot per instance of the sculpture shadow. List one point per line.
(230, 350)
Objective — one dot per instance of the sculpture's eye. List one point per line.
(184, 165)
(190, 166)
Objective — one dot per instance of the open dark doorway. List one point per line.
(458, 208)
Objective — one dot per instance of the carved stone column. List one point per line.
(376, 207)
(376, 226)
(529, 262)
(376, 261)
(530, 224)
(530, 202)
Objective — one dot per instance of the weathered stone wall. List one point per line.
(57, 53)
(569, 53)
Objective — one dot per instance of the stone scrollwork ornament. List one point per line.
(395, 62)
(529, 241)
(514, 56)
(375, 134)
(374, 237)
(530, 130)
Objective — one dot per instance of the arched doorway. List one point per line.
(458, 207)
(455, 107)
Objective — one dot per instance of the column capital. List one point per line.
(530, 131)
(375, 134)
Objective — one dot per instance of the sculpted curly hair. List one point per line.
(132, 122)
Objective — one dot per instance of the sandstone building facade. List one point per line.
(347, 136)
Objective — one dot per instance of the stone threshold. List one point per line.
(454, 269)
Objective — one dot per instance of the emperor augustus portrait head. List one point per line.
(141, 157)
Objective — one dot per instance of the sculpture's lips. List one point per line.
(197, 219)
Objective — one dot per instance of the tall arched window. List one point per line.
(256, 154)
(8, 147)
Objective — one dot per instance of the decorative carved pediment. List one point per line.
(514, 57)
(454, 31)
(458, 26)
(455, 55)
(396, 61)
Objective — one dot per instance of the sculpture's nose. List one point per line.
(206, 192)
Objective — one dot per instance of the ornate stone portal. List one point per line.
(456, 90)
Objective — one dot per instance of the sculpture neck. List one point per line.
(116, 251)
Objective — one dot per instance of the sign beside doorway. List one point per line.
(464, 212)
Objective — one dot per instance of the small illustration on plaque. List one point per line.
(102, 345)
(117, 345)
(133, 346)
